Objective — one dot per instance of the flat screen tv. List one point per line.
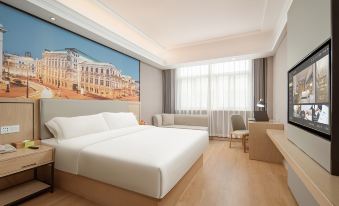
(309, 92)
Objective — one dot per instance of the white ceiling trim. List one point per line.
(73, 21)
(264, 14)
(219, 39)
(104, 6)
(247, 45)
(251, 46)
(280, 28)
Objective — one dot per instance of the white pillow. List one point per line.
(69, 127)
(120, 120)
(53, 128)
(167, 119)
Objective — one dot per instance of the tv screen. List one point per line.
(309, 92)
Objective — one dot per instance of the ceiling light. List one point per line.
(52, 18)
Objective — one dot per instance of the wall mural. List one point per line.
(42, 60)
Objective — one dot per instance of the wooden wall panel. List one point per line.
(17, 111)
(36, 119)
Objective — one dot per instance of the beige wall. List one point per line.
(269, 87)
(151, 92)
(305, 32)
(308, 26)
(280, 83)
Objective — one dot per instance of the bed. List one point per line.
(136, 165)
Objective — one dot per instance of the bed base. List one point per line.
(105, 194)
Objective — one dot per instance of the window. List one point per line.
(225, 86)
(192, 88)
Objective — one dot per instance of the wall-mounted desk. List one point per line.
(323, 186)
(261, 146)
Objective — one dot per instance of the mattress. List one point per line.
(144, 159)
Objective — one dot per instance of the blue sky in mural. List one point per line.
(27, 33)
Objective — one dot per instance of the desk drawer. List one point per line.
(25, 162)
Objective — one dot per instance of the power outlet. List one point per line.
(4, 130)
(9, 129)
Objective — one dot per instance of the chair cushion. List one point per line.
(241, 133)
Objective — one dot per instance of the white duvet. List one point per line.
(144, 159)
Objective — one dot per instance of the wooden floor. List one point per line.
(227, 178)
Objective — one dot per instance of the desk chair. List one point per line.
(239, 130)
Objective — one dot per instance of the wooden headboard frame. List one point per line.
(50, 108)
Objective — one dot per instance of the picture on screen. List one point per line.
(304, 86)
(313, 113)
(309, 92)
(322, 77)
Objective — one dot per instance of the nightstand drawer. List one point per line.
(25, 162)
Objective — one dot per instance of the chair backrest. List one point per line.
(237, 122)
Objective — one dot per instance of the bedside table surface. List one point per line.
(24, 152)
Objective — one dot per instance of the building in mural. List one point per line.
(73, 70)
(69, 73)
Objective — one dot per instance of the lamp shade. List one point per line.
(261, 103)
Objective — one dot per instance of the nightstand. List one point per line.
(21, 160)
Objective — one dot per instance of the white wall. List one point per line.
(280, 83)
(269, 89)
(305, 32)
(151, 90)
(308, 26)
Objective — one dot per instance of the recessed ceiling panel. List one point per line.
(174, 23)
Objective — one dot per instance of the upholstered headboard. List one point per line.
(50, 108)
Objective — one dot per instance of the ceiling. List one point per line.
(174, 23)
(172, 32)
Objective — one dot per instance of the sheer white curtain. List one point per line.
(192, 90)
(219, 90)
